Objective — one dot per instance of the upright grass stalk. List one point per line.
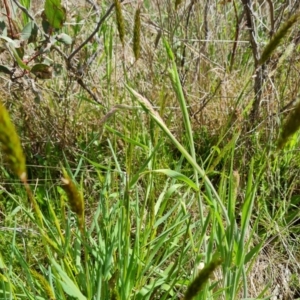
(156, 117)
(175, 80)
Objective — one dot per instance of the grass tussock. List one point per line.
(162, 149)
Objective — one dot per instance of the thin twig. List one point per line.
(24, 10)
(237, 32)
(82, 84)
(258, 76)
(106, 15)
(207, 99)
(94, 5)
(10, 23)
(186, 31)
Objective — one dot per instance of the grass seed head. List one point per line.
(120, 21)
(11, 145)
(74, 196)
(291, 125)
(137, 34)
(272, 45)
(201, 279)
(44, 283)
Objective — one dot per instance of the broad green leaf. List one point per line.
(64, 38)
(3, 27)
(46, 26)
(178, 176)
(68, 285)
(29, 32)
(42, 71)
(19, 60)
(55, 13)
(5, 70)
(11, 43)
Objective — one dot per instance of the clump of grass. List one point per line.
(11, 145)
(120, 21)
(75, 197)
(137, 34)
(291, 125)
(277, 38)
